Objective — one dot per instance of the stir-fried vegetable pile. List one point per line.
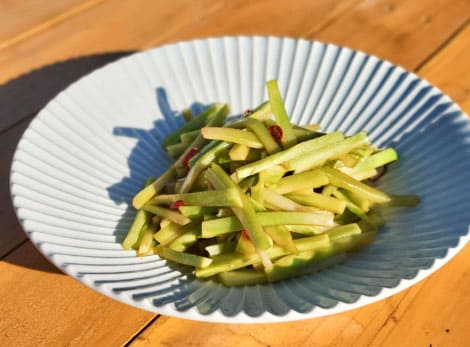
(261, 199)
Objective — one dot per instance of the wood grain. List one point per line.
(168, 331)
(45, 307)
(449, 69)
(434, 314)
(114, 25)
(384, 323)
(401, 31)
(23, 19)
(265, 17)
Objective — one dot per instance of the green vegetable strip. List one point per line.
(146, 242)
(350, 205)
(361, 175)
(246, 215)
(288, 154)
(320, 201)
(358, 241)
(245, 246)
(304, 135)
(247, 183)
(280, 114)
(308, 230)
(183, 242)
(141, 219)
(319, 156)
(226, 262)
(262, 112)
(225, 225)
(257, 206)
(289, 265)
(317, 262)
(183, 258)
(339, 179)
(225, 197)
(257, 191)
(282, 237)
(187, 114)
(273, 175)
(181, 171)
(224, 212)
(302, 181)
(328, 190)
(176, 149)
(315, 242)
(376, 160)
(348, 160)
(242, 277)
(232, 261)
(172, 231)
(343, 231)
(359, 201)
(195, 212)
(217, 119)
(194, 124)
(164, 222)
(149, 191)
(167, 213)
(187, 138)
(203, 162)
(239, 152)
(232, 135)
(282, 202)
(309, 127)
(263, 135)
(206, 148)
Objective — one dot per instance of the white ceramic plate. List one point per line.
(89, 150)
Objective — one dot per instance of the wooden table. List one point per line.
(45, 45)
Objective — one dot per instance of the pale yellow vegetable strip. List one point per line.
(320, 201)
(172, 215)
(239, 152)
(319, 156)
(339, 179)
(302, 181)
(282, 202)
(233, 261)
(283, 156)
(148, 192)
(242, 137)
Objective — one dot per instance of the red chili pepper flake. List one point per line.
(246, 113)
(192, 152)
(276, 132)
(245, 234)
(176, 204)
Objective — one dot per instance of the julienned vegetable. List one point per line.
(260, 199)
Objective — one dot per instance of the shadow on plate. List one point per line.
(20, 100)
(144, 160)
